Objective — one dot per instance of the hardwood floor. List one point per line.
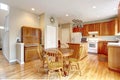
(91, 68)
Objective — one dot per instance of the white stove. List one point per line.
(93, 45)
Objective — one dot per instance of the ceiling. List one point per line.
(78, 9)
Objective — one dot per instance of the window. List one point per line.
(3, 6)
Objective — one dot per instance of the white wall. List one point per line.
(44, 22)
(68, 27)
(17, 19)
(1, 31)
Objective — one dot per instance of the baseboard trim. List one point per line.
(19, 62)
(11, 61)
(6, 57)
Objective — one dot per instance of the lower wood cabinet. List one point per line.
(31, 53)
(102, 47)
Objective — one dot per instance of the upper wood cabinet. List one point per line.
(31, 35)
(119, 18)
(77, 29)
(85, 30)
(90, 27)
(107, 28)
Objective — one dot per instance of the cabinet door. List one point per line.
(91, 27)
(119, 18)
(85, 30)
(107, 28)
(97, 27)
(100, 45)
(77, 29)
(111, 27)
(31, 53)
(104, 29)
(105, 49)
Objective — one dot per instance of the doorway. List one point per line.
(50, 37)
(65, 35)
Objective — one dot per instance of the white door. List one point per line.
(65, 35)
(51, 37)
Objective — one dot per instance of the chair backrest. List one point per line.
(81, 51)
(54, 55)
(76, 48)
(40, 52)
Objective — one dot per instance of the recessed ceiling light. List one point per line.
(115, 9)
(66, 15)
(94, 7)
(1, 27)
(98, 16)
(33, 9)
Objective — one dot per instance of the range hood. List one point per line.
(93, 32)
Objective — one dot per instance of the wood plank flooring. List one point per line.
(91, 68)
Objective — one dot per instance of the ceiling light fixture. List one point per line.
(66, 15)
(1, 27)
(94, 7)
(115, 9)
(33, 9)
(98, 16)
(77, 23)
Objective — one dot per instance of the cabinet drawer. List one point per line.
(31, 53)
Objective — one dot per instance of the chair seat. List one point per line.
(55, 65)
(73, 60)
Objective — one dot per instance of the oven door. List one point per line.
(92, 47)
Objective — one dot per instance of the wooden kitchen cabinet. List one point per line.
(77, 29)
(31, 37)
(104, 28)
(31, 53)
(97, 27)
(111, 29)
(91, 27)
(107, 28)
(102, 47)
(94, 27)
(119, 17)
(85, 30)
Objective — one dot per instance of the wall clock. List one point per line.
(52, 20)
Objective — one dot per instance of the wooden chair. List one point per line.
(54, 62)
(42, 57)
(74, 60)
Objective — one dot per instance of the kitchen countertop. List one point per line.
(113, 44)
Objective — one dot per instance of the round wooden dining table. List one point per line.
(66, 53)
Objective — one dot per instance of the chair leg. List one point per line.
(48, 75)
(79, 68)
(60, 74)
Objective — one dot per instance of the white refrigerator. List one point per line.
(76, 37)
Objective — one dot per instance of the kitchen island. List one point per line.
(114, 56)
(76, 46)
